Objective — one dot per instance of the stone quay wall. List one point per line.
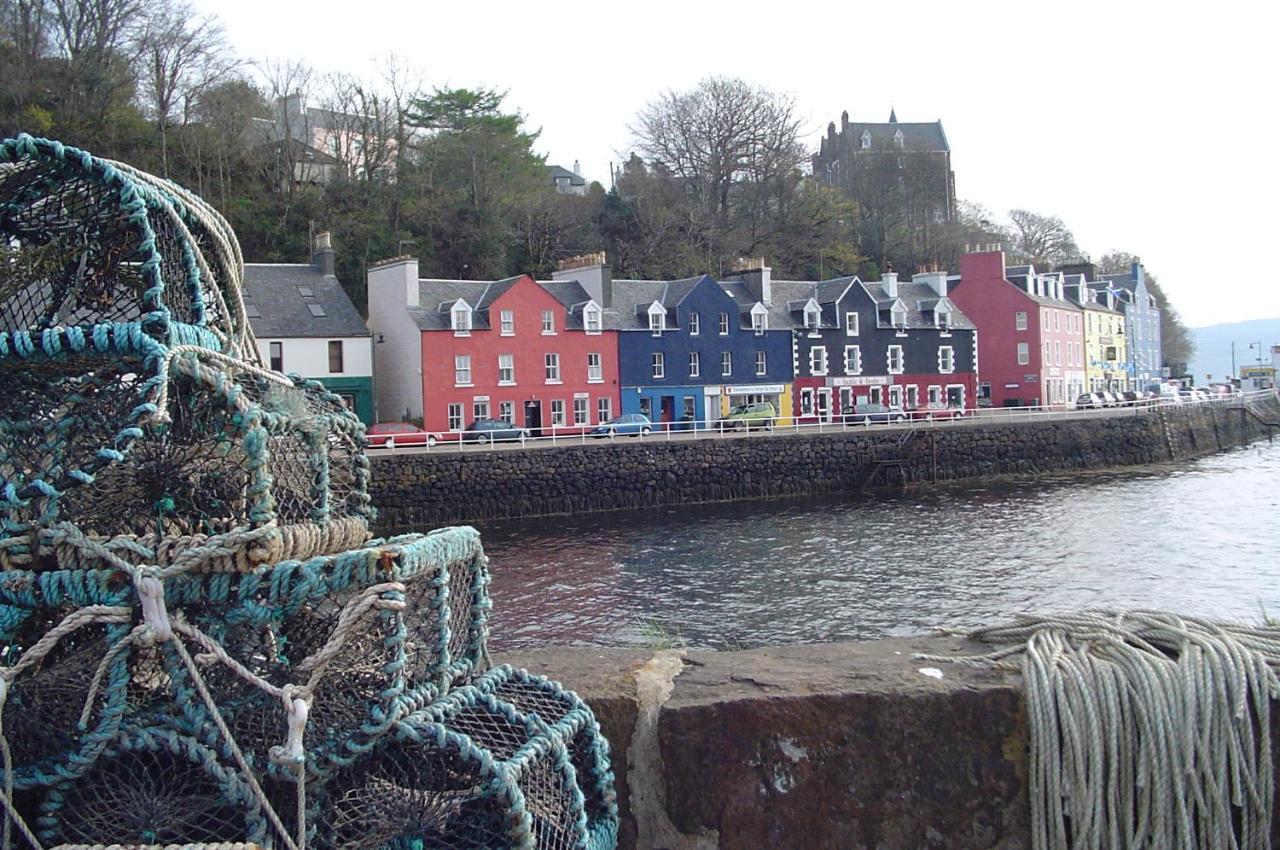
(419, 489)
(811, 746)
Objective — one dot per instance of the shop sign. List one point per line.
(861, 381)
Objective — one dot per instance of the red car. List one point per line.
(392, 434)
(936, 410)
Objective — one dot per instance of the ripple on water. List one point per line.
(1202, 538)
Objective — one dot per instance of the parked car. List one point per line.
(492, 430)
(1108, 398)
(627, 423)
(872, 414)
(393, 434)
(1169, 394)
(936, 410)
(746, 416)
(1130, 397)
(1090, 401)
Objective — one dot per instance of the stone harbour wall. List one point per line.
(813, 746)
(448, 486)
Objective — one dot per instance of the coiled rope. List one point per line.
(1149, 731)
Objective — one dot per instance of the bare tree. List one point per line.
(722, 135)
(1042, 239)
(91, 35)
(286, 85)
(180, 55)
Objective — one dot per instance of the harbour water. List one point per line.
(1201, 538)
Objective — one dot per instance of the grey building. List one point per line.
(1141, 324)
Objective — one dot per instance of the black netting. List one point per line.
(167, 792)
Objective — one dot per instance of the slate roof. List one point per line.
(556, 172)
(272, 291)
(919, 137)
(1124, 280)
(919, 299)
(435, 297)
(571, 294)
(1077, 283)
(631, 298)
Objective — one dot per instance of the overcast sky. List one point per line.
(1148, 127)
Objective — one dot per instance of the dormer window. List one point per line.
(591, 319)
(812, 317)
(942, 318)
(460, 318)
(759, 319)
(657, 318)
(897, 138)
(866, 139)
(898, 317)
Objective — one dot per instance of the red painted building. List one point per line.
(1030, 336)
(450, 352)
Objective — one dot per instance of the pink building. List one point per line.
(1030, 336)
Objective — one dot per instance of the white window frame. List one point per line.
(762, 364)
(1020, 320)
(508, 323)
(595, 370)
(548, 322)
(759, 320)
(657, 366)
(509, 368)
(551, 368)
(900, 325)
(581, 411)
(460, 320)
(479, 408)
(657, 321)
(812, 319)
(724, 324)
(935, 394)
(557, 413)
(604, 408)
(901, 358)
(1056, 320)
(507, 411)
(1024, 354)
(818, 362)
(853, 366)
(946, 359)
(462, 376)
(695, 324)
(726, 364)
(695, 365)
(592, 320)
(851, 324)
(454, 415)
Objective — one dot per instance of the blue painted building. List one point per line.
(1141, 325)
(689, 349)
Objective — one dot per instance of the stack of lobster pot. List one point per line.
(202, 646)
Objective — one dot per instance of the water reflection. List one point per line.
(1201, 538)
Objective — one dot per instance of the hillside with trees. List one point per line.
(716, 172)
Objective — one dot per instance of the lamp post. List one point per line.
(1257, 345)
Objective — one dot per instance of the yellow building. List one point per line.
(1106, 353)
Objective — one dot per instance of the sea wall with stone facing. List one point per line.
(449, 486)
(811, 746)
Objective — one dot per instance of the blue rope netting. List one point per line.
(200, 645)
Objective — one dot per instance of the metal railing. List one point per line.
(561, 435)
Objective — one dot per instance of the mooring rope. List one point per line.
(1149, 731)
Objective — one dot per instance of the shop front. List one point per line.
(848, 391)
(724, 398)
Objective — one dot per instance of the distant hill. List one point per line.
(1213, 346)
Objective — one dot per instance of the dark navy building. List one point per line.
(904, 345)
(689, 349)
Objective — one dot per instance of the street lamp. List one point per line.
(1258, 346)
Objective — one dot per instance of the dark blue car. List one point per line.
(492, 430)
(627, 423)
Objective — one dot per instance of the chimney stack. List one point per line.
(934, 279)
(755, 275)
(576, 168)
(322, 253)
(889, 282)
(592, 273)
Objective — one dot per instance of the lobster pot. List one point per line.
(153, 787)
(247, 467)
(469, 772)
(88, 242)
(282, 622)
